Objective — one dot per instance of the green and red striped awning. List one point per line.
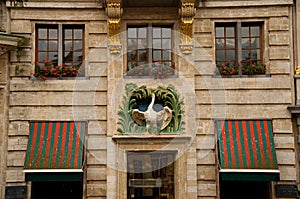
(55, 146)
(247, 146)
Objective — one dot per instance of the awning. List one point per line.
(246, 150)
(54, 147)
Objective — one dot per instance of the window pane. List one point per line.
(230, 55)
(219, 32)
(53, 46)
(220, 43)
(78, 45)
(77, 56)
(255, 43)
(77, 34)
(245, 31)
(42, 45)
(229, 31)
(68, 45)
(53, 34)
(132, 44)
(142, 43)
(142, 32)
(53, 57)
(167, 44)
(68, 34)
(142, 55)
(230, 43)
(68, 57)
(255, 31)
(132, 33)
(166, 32)
(156, 43)
(42, 33)
(245, 43)
(42, 56)
(255, 54)
(166, 55)
(132, 56)
(157, 33)
(157, 55)
(245, 55)
(220, 55)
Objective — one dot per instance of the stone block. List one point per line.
(16, 159)
(97, 55)
(96, 157)
(96, 142)
(97, 27)
(207, 189)
(95, 69)
(206, 172)
(97, 127)
(18, 128)
(206, 127)
(285, 157)
(282, 125)
(279, 23)
(15, 175)
(280, 52)
(280, 67)
(205, 67)
(97, 40)
(203, 40)
(205, 157)
(279, 38)
(288, 173)
(96, 174)
(20, 26)
(96, 189)
(284, 142)
(206, 142)
(17, 143)
(203, 26)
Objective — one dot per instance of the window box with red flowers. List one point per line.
(243, 69)
(156, 70)
(47, 70)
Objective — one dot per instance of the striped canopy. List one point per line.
(55, 145)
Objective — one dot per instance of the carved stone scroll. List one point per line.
(187, 12)
(114, 13)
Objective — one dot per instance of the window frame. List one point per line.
(150, 50)
(60, 28)
(238, 57)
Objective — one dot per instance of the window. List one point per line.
(149, 50)
(239, 48)
(60, 45)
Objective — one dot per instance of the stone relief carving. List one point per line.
(150, 111)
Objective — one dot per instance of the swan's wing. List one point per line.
(165, 116)
(138, 116)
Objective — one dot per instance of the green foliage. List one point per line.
(253, 69)
(126, 123)
(167, 95)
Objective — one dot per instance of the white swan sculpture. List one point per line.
(153, 117)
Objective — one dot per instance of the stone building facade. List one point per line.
(230, 133)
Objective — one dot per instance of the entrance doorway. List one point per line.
(57, 190)
(244, 189)
(150, 175)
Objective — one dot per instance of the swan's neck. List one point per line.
(152, 101)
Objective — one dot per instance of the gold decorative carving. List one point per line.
(114, 13)
(187, 12)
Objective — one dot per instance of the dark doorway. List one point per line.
(57, 190)
(150, 175)
(244, 189)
